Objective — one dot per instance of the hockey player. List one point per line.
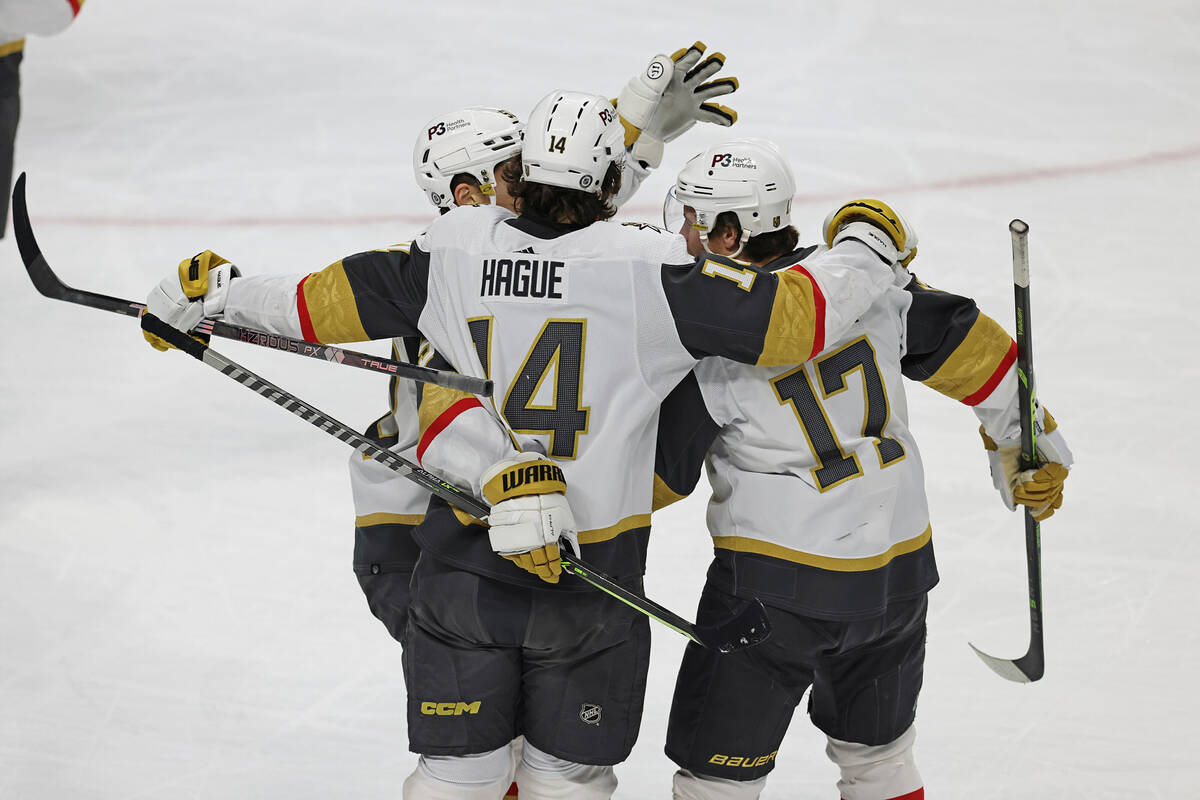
(590, 673)
(584, 327)
(818, 504)
(464, 158)
(460, 158)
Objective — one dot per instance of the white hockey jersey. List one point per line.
(584, 330)
(381, 495)
(818, 491)
(815, 464)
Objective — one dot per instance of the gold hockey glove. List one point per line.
(197, 291)
(1039, 489)
(529, 513)
(841, 224)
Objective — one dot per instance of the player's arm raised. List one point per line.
(662, 101)
(671, 95)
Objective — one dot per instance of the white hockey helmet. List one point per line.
(471, 140)
(571, 140)
(749, 177)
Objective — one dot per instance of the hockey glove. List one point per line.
(1040, 489)
(668, 97)
(199, 291)
(863, 220)
(529, 513)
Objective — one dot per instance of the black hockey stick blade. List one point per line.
(745, 629)
(44, 279)
(50, 285)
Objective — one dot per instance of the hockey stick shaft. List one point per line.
(48, 284)
(572, 564)
(314, 416)
(448, 492)
(1034, 665)
(1031, 666)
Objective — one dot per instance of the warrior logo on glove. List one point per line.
(537, 477)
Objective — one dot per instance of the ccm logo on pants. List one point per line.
(450, 709)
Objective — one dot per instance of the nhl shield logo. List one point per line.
(590, 713)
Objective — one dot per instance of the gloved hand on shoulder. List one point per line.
(865, 220)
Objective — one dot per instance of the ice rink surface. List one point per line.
(178, 618)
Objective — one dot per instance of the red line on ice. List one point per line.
(647, 211)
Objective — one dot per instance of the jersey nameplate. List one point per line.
(523, 278)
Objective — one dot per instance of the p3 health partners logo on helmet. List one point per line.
(443, 128)
(590, 713)
(585, 181)
(730, 160)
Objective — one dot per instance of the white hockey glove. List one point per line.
(1041, 489)
(198, 291)
(863, 220)
(668, 97)
(529, 513)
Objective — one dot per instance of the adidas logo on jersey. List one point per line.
(523, 277)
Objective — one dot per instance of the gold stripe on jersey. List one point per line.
(793, 321)
(329, 303)
(386, 518)
(664, 495)
(8, 48)
(973, 362)
(743, 544)
(435, 400)
(613, 531)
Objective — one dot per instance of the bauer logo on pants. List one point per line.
(590, 713)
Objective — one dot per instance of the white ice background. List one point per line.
(178, 618)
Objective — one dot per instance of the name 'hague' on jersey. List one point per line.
(577, 334)
(583, 335)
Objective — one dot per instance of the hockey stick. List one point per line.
(746, 628)
(1031, 666)
(49, 284)
(320, 419)
(743, 630)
